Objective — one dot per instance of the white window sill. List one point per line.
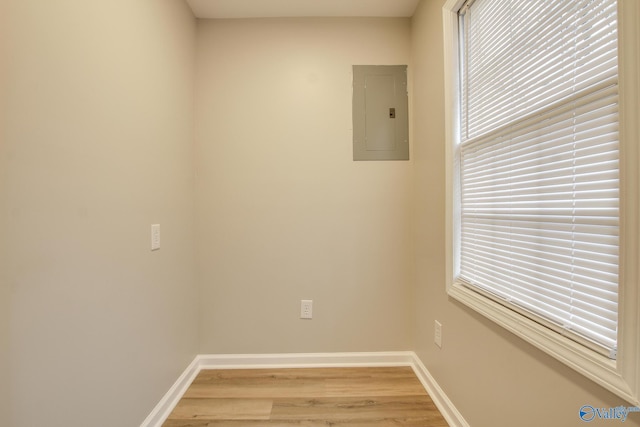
(589, 363)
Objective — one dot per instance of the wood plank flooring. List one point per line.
(315, 397)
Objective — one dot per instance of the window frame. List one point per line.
(620, 376)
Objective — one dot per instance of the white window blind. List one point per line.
(538, 158)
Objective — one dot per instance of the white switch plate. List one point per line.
(306, 309)
(155, 237)
(438, 333)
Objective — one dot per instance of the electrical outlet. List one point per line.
(306, 309)
(438, 333)
(155, 237)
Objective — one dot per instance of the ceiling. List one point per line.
(301, 8)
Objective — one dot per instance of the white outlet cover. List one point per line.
(438, 333)
(155, 237)
(306, 309)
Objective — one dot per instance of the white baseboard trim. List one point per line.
(304, 360)
(441, 400)
(169, 401)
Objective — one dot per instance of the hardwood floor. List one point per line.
(336, 397)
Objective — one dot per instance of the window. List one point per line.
(539, 161)
(539, 228)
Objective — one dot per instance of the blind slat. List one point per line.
(539, 161)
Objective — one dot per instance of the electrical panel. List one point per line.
(380, 112)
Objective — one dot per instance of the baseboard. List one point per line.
(304, 360)
(441, 400)
(162, 410)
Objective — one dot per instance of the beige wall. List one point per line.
(97, 119)
(493, 378)
(283, 212)
(5, 303)
(96, 143)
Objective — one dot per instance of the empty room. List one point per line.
(319, 212)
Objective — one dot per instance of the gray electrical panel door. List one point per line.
(380, 112)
